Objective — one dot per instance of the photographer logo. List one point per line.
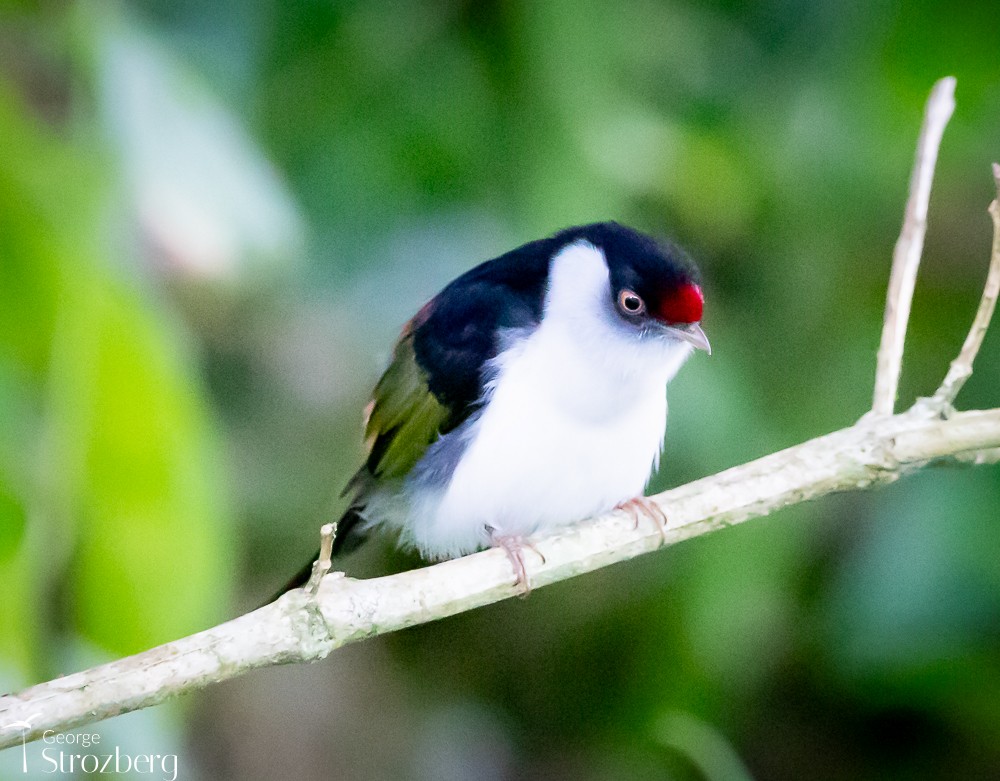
(82, 753)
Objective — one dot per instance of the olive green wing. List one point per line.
(404, 417)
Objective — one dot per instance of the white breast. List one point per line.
(573, 426)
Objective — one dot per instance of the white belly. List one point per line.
(560, 440)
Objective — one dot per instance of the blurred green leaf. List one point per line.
(143, 464)
(17, 622)
(15, 425)
(12, 522)
(120, 488)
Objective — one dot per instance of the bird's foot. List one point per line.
(513, 545)
(642, 505)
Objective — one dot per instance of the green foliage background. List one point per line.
(215, 216)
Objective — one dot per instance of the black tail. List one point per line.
(348, 538)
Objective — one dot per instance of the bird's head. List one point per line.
(652, 287)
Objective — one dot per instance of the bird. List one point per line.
(529, 394)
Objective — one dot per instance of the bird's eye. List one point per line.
(631, 303)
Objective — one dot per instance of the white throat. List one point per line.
(579, 316)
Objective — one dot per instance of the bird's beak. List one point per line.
(692, 334)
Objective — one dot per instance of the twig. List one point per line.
(961, 368)
(906, 255)
(323, 563)
(304, 627)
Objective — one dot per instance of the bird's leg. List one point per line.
(514, 545)
(645, 506)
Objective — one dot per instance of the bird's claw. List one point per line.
(514, 545)
(641, 505)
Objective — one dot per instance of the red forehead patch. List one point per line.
(684, 305)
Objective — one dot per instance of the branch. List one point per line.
(961, 368)
(332, 611)
(300, 627)
(906, 255)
